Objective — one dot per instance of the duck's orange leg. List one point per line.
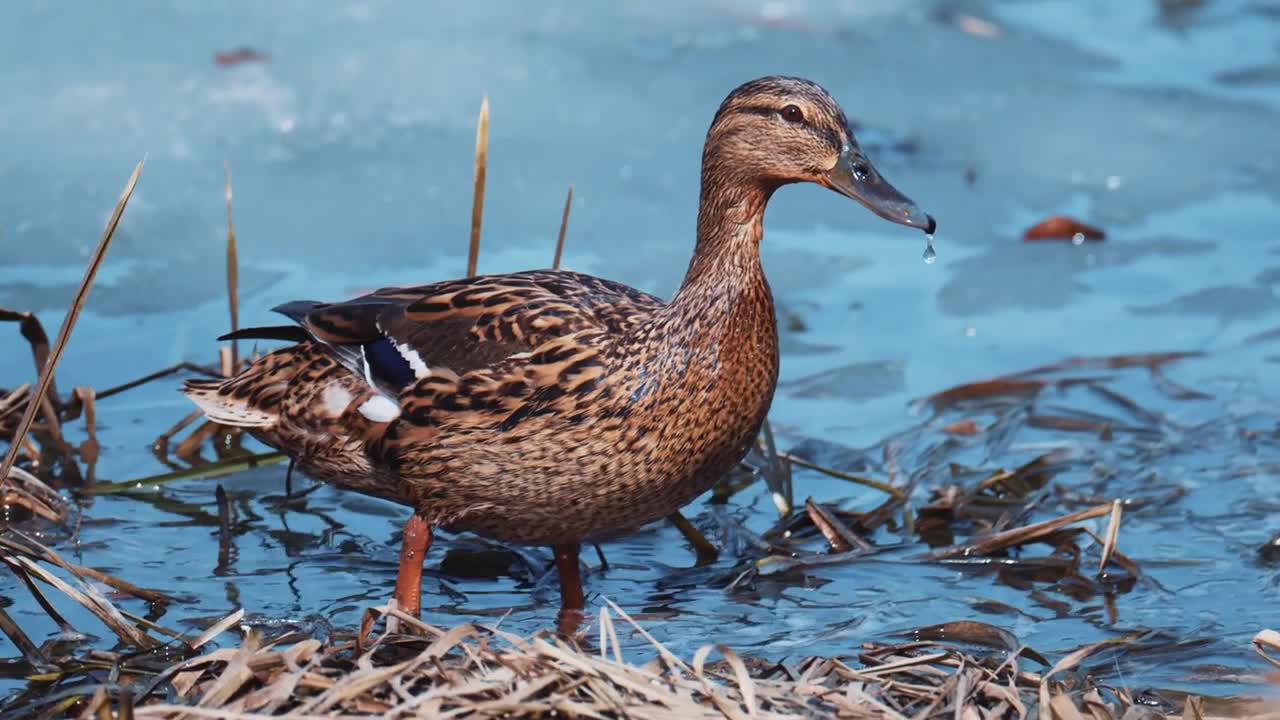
(413, 551)
(571, 601)
(570, 580)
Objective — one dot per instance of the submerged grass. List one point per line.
(206, 471)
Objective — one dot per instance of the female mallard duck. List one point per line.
(551, 407)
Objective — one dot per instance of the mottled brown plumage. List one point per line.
(552, 407)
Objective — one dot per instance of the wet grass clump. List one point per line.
(394, 665)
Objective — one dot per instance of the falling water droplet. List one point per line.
(1077, 239)
(929, 253)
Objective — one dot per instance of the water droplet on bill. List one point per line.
(929, 253)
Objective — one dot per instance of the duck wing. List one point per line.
(394, 336)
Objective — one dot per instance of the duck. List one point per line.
(551, 407)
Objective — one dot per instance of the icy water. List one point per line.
(351, 152)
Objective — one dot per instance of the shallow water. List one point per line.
(351, 155)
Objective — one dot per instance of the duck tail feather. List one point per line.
(224, 407)
(251, 399)
(291, 333)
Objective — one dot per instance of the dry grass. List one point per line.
(480, 671)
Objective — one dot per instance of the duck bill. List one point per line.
(854, 176)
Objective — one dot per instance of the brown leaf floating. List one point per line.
(1062, 227)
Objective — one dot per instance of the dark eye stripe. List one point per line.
(824, 133)
(764, 110)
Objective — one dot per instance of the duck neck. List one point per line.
(726, 268)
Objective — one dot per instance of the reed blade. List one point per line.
(564, 227)
(64, 333)
(233, 271)
(477, 198)
(1113, 534)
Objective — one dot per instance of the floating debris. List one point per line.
(976, 26)
(1061, 227)
(961, 427)
(240, 56)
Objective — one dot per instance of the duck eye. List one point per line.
(791, 113)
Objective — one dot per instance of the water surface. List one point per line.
(351, 155)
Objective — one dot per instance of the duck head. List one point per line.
(777, 130)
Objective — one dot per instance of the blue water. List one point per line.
(351, 154)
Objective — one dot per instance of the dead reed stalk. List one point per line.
(477, 198)
(64, 333)
(564, 227)
(233, 272)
